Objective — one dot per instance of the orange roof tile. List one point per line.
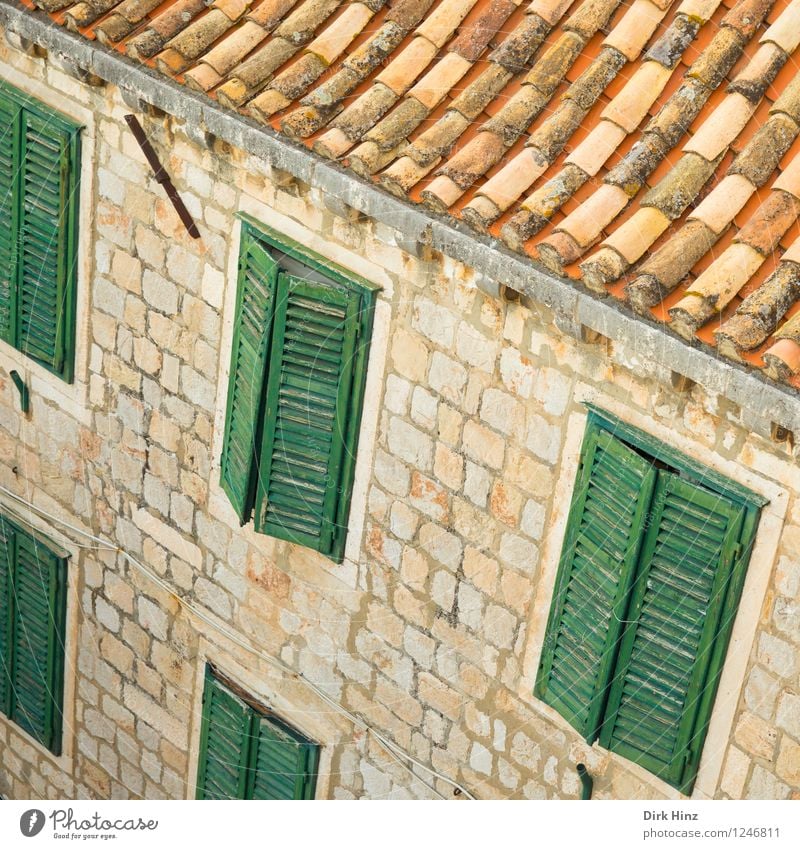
(667, 132)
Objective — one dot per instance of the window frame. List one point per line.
(57, 637)
(66, 329)
(696, 475)
(287, 254)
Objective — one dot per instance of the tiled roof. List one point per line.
(646, 150)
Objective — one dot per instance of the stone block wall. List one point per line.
(430, 629)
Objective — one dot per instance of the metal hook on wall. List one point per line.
(24, 392)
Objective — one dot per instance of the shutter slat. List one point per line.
(593, 579)
(310, 376)
(675, 607)
(255, 302)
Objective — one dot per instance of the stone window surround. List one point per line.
(40, 528)
(71, 397)
(745, 626)
(268, 688)
(219, 505)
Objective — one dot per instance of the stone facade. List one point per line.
(431, 628)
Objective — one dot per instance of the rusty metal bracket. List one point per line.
(160, 173)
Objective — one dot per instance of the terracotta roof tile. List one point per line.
(195, 39)
(299, 26)
(401, 72)
(701, 10)
(747, 17)
(758, 315)
(334, 39)
(773, 219)
(515, 51)
(667, 134)
(163, 27)
(789, 180)
(83, 14)
(634, 30)
(782, 360)
(443, 21)
(719, 207)
(629, 108)
(635, 236)
(270, 13)
(550, 10)
(754, 80)
(663, 271)
(53, 5)
(720, 128)
(221, 59)
(595, 150)
(785, 32)
(124, 19)
(473, 40)
(714, 289)
(436, 141)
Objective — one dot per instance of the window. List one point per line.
(648, 584)
(39, 163)
(296, 385)
(248, 753)
(33, 580)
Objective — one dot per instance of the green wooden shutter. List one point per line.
(7, 558)
(48, 195)
(283, 764)
(601, 547)
(9, 163)
(308, 414)
(224, 743)
(665, 662)
(255, 298)
(38, 594)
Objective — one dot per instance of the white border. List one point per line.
(745, 625)
(218, 504)
(72, 398)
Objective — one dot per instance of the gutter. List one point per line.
(763, 402)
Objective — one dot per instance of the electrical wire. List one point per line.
(399, 755)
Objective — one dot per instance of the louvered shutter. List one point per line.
(224, 744)
(284, 765)
(38, 600)
(665, 662)
(308, 412)
(7, 557)
(600, 550)
(255, 299)
(9, 152)
(48, 189)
